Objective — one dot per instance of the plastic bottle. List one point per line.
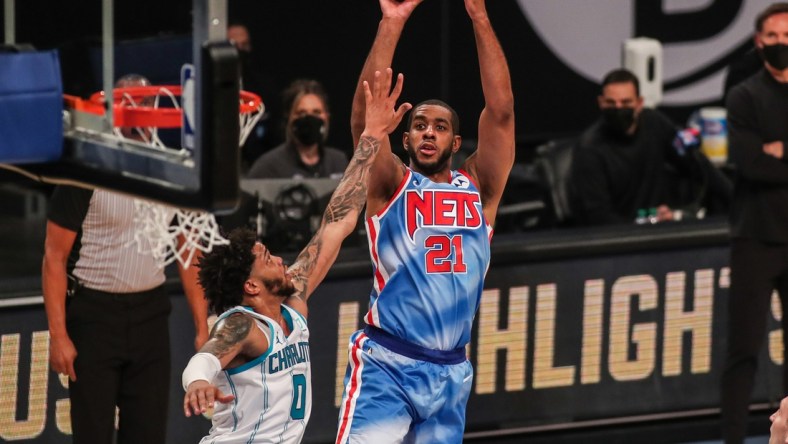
(641, 217)
(714, 134)
(652, 215)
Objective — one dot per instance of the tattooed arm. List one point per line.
(232, 341)
(347, 202)
(233, 338)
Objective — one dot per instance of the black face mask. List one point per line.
(776, 55)
(618, 119)
(309, 129)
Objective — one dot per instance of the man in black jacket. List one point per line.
(758, 129)
(619, 164)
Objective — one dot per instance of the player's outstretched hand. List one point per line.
(398, 9)
(381, 117)
(200, 397)
(476, 9)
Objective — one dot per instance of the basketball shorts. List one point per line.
(393, 397)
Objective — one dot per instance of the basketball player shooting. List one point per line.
(429, 230)
(261, 339)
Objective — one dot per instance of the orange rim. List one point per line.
(126, 115)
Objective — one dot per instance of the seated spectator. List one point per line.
(621, 163)
(303, 154)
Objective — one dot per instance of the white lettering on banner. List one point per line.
(776, 348)
(626, 365)
(626, 329)
(63, 409)
(12, 429)
(513, 339)
(546, 373)
(604, 24)
(696, 321)
(32, 424)
(632, 345)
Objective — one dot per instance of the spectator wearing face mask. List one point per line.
(757, 135)
(304, 153)
(619, 165)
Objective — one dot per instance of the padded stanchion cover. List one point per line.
(31, 107)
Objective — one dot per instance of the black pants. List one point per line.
(123, 360)
(757, 269)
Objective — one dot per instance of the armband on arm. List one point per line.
(203, 366)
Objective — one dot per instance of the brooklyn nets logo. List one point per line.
(460, 182)
(699, 38)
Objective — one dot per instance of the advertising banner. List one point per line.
(597, 338)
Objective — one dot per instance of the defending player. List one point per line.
(261, 338)
(429, 229)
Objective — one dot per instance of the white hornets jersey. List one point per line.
(273, 393)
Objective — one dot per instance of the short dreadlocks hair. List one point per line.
(226, 268)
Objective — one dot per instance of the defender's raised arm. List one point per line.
(344, 208)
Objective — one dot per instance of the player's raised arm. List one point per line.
(395, 15)
(388, 170)
(494, 156)
(344, 208)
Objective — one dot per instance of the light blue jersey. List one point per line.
(408, 378)
(273, 393)
(430, 249)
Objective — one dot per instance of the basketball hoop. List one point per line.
(168, 233)
(148, 108)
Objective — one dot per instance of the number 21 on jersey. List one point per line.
(444, 254)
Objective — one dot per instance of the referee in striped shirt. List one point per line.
(108, 312)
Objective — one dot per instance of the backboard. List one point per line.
(205, 176)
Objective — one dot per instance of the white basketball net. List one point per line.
(150, 135)
(168, 233)
(171, 238)
(248, 121)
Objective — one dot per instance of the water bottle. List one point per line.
(714, 134)
(652, 215)
(641, 217)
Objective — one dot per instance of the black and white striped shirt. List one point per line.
(105, 256)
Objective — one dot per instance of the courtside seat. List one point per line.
(553, 164)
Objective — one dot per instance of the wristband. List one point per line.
(203, 366)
